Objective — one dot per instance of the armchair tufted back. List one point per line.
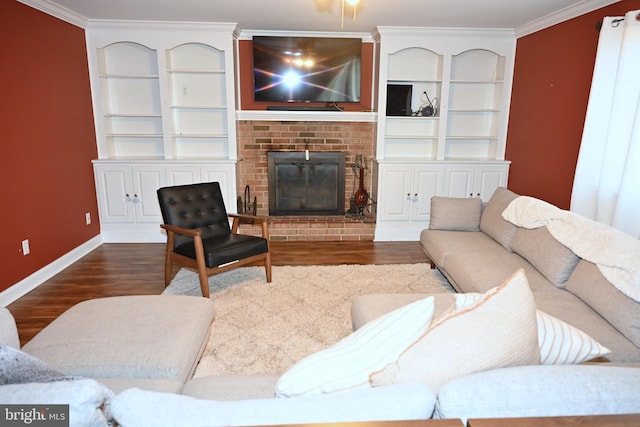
(195, 206)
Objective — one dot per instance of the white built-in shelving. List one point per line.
(164, 111)
(457, 151)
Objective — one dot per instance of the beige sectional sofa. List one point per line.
(139, 353)
(129, 361)
(476, 249)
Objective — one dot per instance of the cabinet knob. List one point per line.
(478, 195)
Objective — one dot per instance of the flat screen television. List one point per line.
(306, 69)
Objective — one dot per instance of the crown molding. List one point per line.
(115, 24)
(586, 6)
(562, 15)
(55, 10)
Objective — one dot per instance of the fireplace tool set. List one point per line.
(246, 206)
(361, 198)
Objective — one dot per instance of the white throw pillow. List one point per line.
(559, 342)
(498, 331)
(348, 363)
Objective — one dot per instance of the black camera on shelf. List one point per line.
(428, 107)
(428, 111)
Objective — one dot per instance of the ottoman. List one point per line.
(156, 338)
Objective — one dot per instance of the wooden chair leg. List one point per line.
(168, 271)
(168, 265)
(267, 267)
(202, 265)
(204, 283)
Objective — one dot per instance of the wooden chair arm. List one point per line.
(190, 232)
(262, 221)
(253, 218)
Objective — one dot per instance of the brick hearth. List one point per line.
(257, 138)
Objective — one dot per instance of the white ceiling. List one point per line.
(325, 15)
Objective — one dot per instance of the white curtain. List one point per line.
(606, 186)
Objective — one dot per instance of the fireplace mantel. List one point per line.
(307, 116)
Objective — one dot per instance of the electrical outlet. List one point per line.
(87, 218)
(25, 247)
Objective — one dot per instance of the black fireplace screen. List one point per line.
(301, 184)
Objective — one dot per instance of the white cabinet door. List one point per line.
(146, 181)
(427, 182)
(488, 178)
(394, 198)
(475, 180)
(182, 175)
(128, 200)
(407, 190)
(114, 186)
(459, 180)
(225, 175)
(127, 194)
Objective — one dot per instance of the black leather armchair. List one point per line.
(200, 237)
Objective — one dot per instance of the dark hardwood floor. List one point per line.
(135, 269)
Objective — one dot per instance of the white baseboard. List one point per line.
(399, 231)
(45, 273)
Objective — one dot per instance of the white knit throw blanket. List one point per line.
(616, 254)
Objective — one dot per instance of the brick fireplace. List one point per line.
(257, 137)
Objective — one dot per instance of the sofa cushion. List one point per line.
(231, 387)
(530, 391)
(554, 260)
(500, 330)
(8, 329)
(136, 407)
(492, 222)
(365, 308)
(588, 283)
(439, 245)
(572, 310)
(348, 363)
(455, 214)
(488, 267)
(164, 385)
(152, 336)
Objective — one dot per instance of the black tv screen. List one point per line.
(306, 69)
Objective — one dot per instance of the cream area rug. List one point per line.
(264, 328)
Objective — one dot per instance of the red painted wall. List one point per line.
(48, 141)
(552, 79)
